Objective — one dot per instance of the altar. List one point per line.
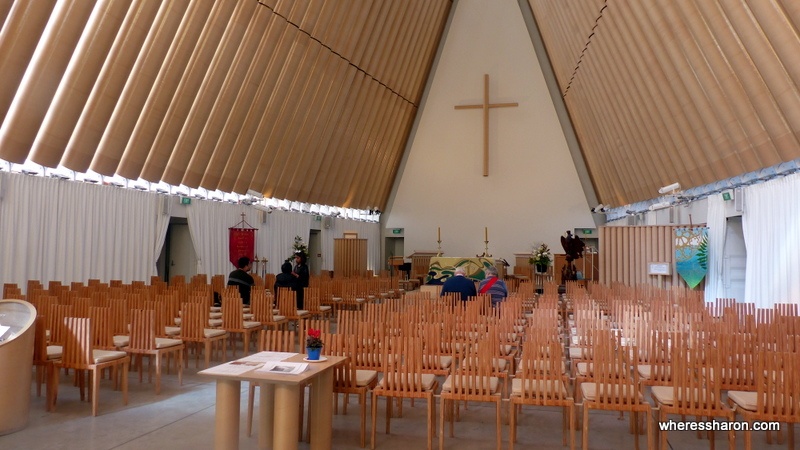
(442, 268)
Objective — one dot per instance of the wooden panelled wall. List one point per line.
(310, 101)
(626, 251)
(349, 257)
(664, 91)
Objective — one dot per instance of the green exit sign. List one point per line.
(587, 231)
(397, 231)
(186, 201)
(727, 196)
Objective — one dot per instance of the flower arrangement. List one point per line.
(541, 255)
(314, 340)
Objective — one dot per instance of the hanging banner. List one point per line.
(242, 243)
(691, 254)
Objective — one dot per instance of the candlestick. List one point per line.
(485, 233)
(439, 233)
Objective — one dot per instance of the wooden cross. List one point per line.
(485, 106)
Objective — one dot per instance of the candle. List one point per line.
(486, 234)
(439, 233)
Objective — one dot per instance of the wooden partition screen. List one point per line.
(625, 253)
(349, 257)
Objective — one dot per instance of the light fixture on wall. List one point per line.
(659, 205)
(670, 188)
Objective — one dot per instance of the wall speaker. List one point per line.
(166, 205)
(327, 222)
(263, 216)
(738, 199)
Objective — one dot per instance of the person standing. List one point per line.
(242, 279)
(459, 283)
(493, 286)
(301, 275)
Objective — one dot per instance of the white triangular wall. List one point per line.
(532, 193)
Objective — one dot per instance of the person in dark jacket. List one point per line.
(285, 279)
(460, 284)
(301, 275)
(242, 279)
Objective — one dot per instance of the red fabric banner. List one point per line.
(242, 243)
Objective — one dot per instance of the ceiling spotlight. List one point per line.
(670, 188)
(601, 208)
(659, 205)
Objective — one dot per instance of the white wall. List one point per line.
(532, 193)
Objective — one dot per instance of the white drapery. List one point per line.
(54, 230)
(282, 227)
(717, 226)
(208, 224)
(771, 224)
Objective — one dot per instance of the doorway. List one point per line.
(178, 256)
(734, 260)
(394, 247)
(314, 252)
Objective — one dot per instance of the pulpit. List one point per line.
(420, 262)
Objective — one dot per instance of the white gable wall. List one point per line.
(532, 193)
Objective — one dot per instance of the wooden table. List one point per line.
(279, 393)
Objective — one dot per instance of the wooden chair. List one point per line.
(471, 380)
(691, 393)
(614, 387)
(287, 305)
(79, 355)
(261, 305)
(777, 395)
(44, 359)
(144, 341)
(542, 381)
(313, 303)
(193, 330)
(233, 322)
(349, 380)
(403, 378)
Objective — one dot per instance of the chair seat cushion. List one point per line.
(248, 324)
(216, 309)
(428, 380)
(493, 384)
(325, 308)
(646, 371)
(498, 364)
(172, 331)
(549, 387)
(278, 318)
(365, 377)
(540, 365)
(666, 394)
(121, 341)
(584, 369)
(302, 312)
(54, 351)
(440, 362)
(213, 332)
(247, 316)
(215, 315)
(589, 391)
(576, 352)
(213, 323)
(101, 356)
(166, 342)
(744, 399)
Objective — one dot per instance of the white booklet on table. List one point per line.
(283, 368)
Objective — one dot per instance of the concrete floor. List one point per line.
(183, 417)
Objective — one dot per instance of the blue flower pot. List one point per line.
(313, 353)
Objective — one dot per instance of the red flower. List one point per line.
(314, 333)
(313, 340)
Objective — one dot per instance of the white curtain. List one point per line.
(162, 225)
(66, 231)
(208, 224)
(282, 227)
(717, 226)
(771, 224)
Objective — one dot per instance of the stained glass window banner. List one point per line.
(691, 254)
